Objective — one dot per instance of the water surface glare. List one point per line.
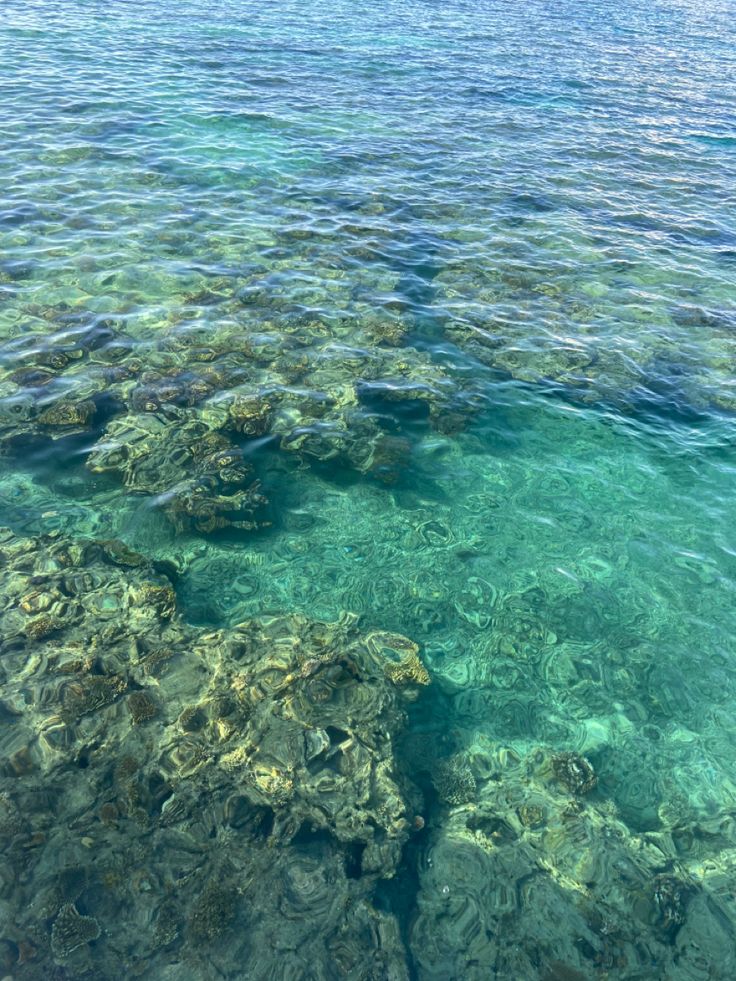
(368, 560)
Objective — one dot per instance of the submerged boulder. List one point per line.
(215, 797)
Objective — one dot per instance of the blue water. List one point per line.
(417, 320)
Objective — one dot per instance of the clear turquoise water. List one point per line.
(497, 239)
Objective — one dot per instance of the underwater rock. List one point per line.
(409, 671)
(159, 409)
(155, 390)
(245, 792)
(198, 477)
(319, 720)
(41, 627)
(90, 694)
(250, 415)
(197, 505)
(671, 897)
(141, 707)
(164, 751)
(68, 414)
(531, 815)
(118, 552)
(388, 459)
(491, 872)
(390, 332)
(400, 659)
(285, 374)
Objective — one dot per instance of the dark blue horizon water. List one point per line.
(368, 444)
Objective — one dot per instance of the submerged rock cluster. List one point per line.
(177, 802)
(524, 878)
(267, 260)
(176, 419)
(165, 787)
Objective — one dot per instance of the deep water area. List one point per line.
(367, 482)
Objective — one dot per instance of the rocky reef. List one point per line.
(367, 308)
(177, 419)
(527, 879)
(177, 801)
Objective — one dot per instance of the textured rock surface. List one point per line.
(182, 800)
(178, 802)
(530, 881)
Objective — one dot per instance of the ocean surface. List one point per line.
(368, 471)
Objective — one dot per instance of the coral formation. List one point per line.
(213, 912)
(71, 930)
(493, 871)
(141, 706)
(175, 425)
(454, 781)
(283, 318)
(279, 731)
(574, 772)
(198, 477)
(408, 671)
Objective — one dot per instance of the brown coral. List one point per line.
(68, 414)
(408, 671)
(574, 772)
(141, 707)
(41, 626)
(72, 930)
(214, 912)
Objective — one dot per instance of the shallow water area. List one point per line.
(367, 432)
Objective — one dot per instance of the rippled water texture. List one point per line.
(367, 436)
